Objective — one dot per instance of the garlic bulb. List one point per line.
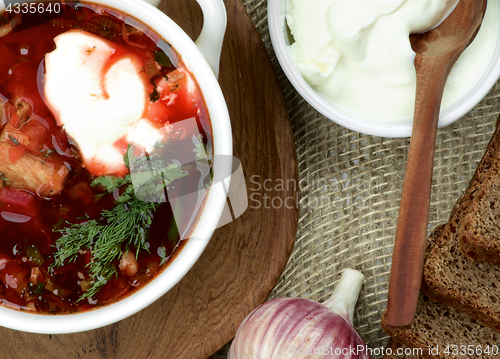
(302, 328)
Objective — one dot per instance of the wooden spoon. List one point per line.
(436, 52)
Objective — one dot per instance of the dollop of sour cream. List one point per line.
(99, 98)
(357, 54)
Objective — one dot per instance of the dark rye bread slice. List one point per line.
(488, 167)
(453, 278)
(478, 230)
(435, 327)
(396, 350)
(438, 328)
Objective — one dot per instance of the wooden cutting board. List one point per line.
(244, 259)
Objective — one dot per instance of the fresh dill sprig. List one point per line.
(124, 226)
(76, 238)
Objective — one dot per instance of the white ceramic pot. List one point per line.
(488, 76)
(202, 59)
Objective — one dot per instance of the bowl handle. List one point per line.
(212, 34)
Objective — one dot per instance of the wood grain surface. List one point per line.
(244, 259)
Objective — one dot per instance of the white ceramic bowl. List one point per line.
(211, 39)
(280, 40)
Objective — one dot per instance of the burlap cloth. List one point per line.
(350, 187)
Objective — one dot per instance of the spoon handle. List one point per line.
(411, 232)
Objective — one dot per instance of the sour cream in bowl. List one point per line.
(352, 59)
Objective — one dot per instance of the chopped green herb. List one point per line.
(126, 224)
(155, 95)
(35, 289)
(149, 185)
(107, 32)
(162, 59)
(173, 233)
(162, 252)
(199, 148)
(110, 183)
(60, 224)
(2, 177)
(34, 255)
(14, 140)
(46, 153)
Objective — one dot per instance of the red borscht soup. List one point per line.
(105, 143)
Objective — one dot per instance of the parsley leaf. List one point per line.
(199, 148)
(110, 183)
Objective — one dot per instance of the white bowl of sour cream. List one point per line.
(352, 60)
